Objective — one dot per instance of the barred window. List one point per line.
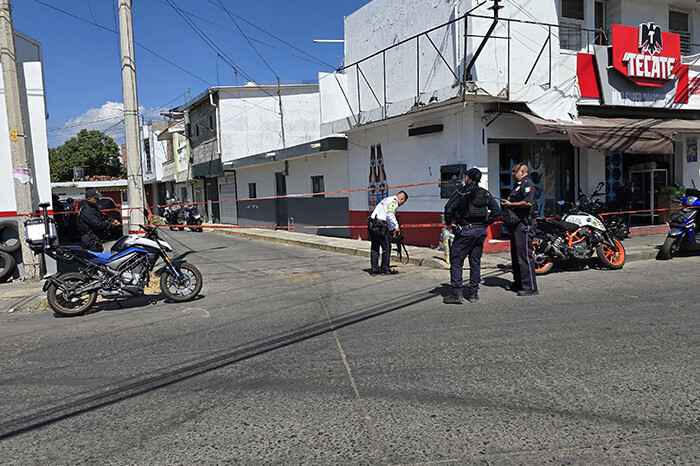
(678, 24)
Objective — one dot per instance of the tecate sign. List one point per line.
(646, 55)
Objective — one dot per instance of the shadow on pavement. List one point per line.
(130, 389)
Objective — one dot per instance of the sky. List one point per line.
(173, 63)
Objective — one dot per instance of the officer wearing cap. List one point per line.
(522, 201)
(92, 223)
(471, 209)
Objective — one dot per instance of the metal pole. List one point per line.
(131, 118)
(21, 167)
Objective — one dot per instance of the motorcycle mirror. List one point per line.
(600, 185)
(561, 202)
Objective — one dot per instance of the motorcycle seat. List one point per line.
(99, 258)
(563, 224)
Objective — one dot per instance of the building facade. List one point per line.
(431, 88)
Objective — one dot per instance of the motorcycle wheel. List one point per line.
(543, 262)
(66, 307)
(172, 228)
(612, 258)
(669, 249)
(181, 228)
(188, 289)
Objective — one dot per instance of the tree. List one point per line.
(93, 150)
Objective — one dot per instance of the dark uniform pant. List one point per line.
(523, 257)
(470, 242)
(91, 242)
(382, 241)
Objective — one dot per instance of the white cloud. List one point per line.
(107, 118)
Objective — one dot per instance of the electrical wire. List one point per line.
(207, 40)
(276, 38)
(248, 40)
(313, 60)
(117, 32)
(80, 123)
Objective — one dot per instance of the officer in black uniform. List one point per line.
(522, 201)
(92, 223)
(472, 209)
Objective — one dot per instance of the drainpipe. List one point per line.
(495, 9)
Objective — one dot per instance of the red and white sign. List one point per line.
(646, 55)
(646, 69)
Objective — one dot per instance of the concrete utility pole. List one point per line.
(21, 168)
(131, 118)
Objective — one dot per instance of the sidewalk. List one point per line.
(636, 247)
(21, 296)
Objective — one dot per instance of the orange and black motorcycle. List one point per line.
(577, 236)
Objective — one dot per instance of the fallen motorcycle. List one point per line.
(122, 272)
(577, 236)
(682, 226)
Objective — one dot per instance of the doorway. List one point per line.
(281, 218)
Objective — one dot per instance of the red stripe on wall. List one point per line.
(429, 236)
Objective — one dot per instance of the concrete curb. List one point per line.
(492, 260)
(353, 251)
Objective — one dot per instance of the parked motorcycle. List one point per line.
(578, 235)
(193, 218)
(121, 273)
(174, 216)
(682, 223)
(615, 223)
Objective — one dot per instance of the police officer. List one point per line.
(92, 223)
(522, 201)
(472, 209)
(381, 225)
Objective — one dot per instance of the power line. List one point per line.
(116, 32)
(313, 60)
(277, 38)
(207, 40)
(248, 40)
(81, 123)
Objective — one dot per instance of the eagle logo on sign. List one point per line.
(650, 38)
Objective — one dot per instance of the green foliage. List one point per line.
(93, 150)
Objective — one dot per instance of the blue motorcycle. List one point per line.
(682, 223)
(123, 272)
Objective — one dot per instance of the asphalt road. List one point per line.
(297, 356)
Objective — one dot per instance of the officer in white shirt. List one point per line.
(381, 225)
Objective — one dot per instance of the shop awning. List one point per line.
(628, 135)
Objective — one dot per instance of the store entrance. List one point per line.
(638, 183)
(551, 166)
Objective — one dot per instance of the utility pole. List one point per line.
(131, 118)
(21, 168)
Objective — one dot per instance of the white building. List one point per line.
(155, 154)
(251, 142)
(440, 86)
(29, 68)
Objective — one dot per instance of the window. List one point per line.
(570, 24)
(600, 23)
(147, 152)
(317, 186)
(678, 24)
(196, 130)
(211, 121)
(252, 191)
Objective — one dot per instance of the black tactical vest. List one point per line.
(474, 207)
